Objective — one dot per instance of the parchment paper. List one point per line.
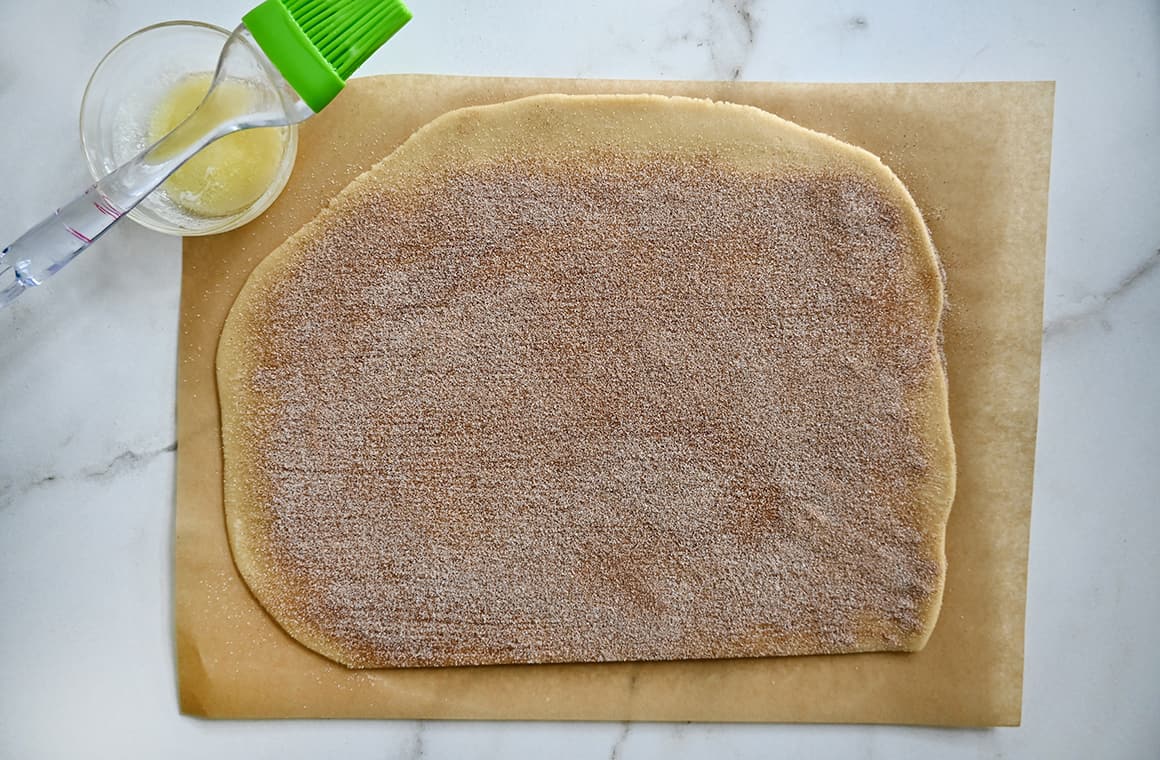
(976, 158)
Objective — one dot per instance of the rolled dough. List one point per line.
(592, 378)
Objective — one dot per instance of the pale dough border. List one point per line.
(748, 137)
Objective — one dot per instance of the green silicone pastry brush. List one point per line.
(316, 45)
(295, 55)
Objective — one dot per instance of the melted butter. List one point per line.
(229, 174)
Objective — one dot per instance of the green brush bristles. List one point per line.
(318, 44)
(346, 32)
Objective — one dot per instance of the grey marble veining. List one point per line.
(413, 750)
(121, 463)
(1095, 307)
(728, 33)
(617, 749)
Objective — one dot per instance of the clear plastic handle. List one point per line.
(46, 248)
(56, 241)
(49, 246)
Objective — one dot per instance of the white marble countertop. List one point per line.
(87, 367)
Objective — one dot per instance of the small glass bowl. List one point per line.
(124, 91)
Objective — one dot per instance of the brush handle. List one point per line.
(49, 246)
(46, 248)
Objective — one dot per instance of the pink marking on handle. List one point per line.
(78, 235)
(106, 210)
(112, 206)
